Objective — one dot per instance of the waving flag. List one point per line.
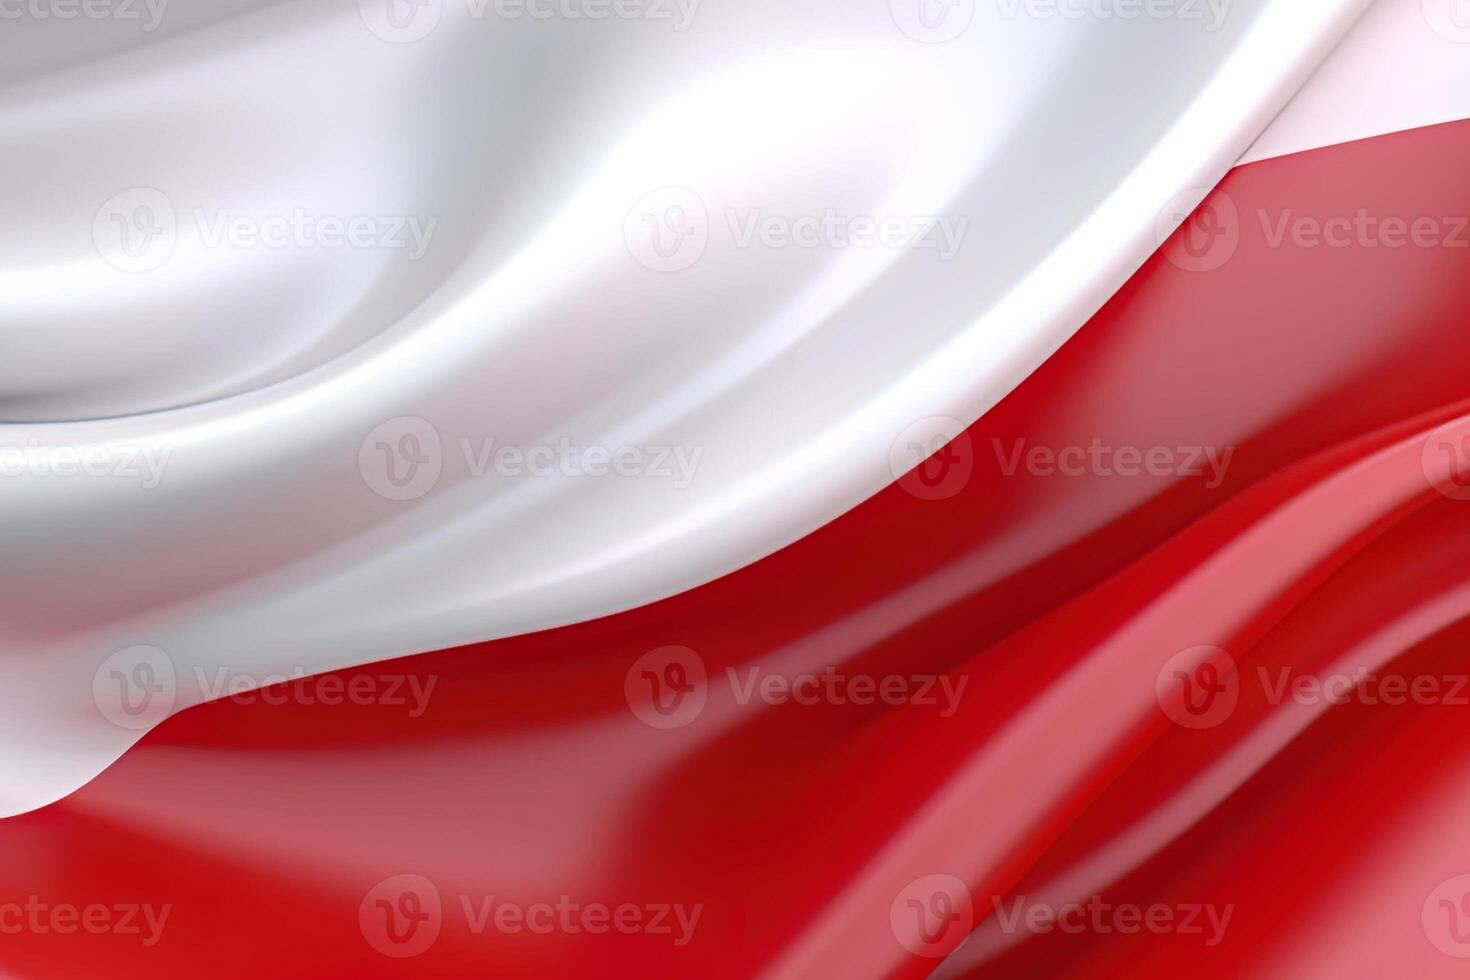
(698, 488)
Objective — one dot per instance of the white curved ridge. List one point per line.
(331, 332)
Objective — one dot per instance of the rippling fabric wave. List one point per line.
(713, 489)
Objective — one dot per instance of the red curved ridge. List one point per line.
(1170, 674)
